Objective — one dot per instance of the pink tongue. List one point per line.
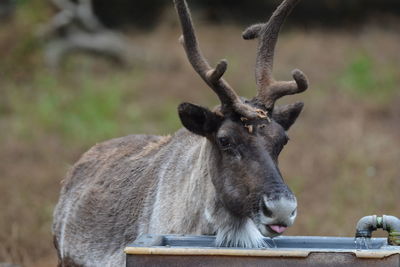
(278, 228)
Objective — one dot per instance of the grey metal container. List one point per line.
(181, 250)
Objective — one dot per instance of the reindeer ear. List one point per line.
(198, 120)
(286, 115)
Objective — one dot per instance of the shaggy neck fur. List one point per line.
(186, 201)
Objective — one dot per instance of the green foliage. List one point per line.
(365, 78)
(89, 113)
(85, 108)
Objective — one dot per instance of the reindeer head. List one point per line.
(247, 135)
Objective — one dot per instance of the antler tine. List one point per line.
(270, 90)
(213, 77)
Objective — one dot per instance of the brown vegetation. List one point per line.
(342, 161)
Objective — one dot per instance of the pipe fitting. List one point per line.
(391, 224)
(366, 225)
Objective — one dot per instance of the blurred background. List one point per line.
(69, 81)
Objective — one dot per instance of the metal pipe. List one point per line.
(366, 225)
(391, 224)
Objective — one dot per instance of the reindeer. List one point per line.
(218, 175)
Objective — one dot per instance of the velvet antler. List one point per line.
(230, 101)
(270, 90)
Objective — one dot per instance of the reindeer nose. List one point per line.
(278, 213)
(267, 209)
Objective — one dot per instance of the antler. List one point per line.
(213, 77)
(270, 90)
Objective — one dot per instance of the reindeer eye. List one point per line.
(224, 142)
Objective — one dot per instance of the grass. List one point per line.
(80, 116)
(81, 110)
(364, 78)
(341, 162)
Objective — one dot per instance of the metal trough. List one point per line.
(182, 250)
